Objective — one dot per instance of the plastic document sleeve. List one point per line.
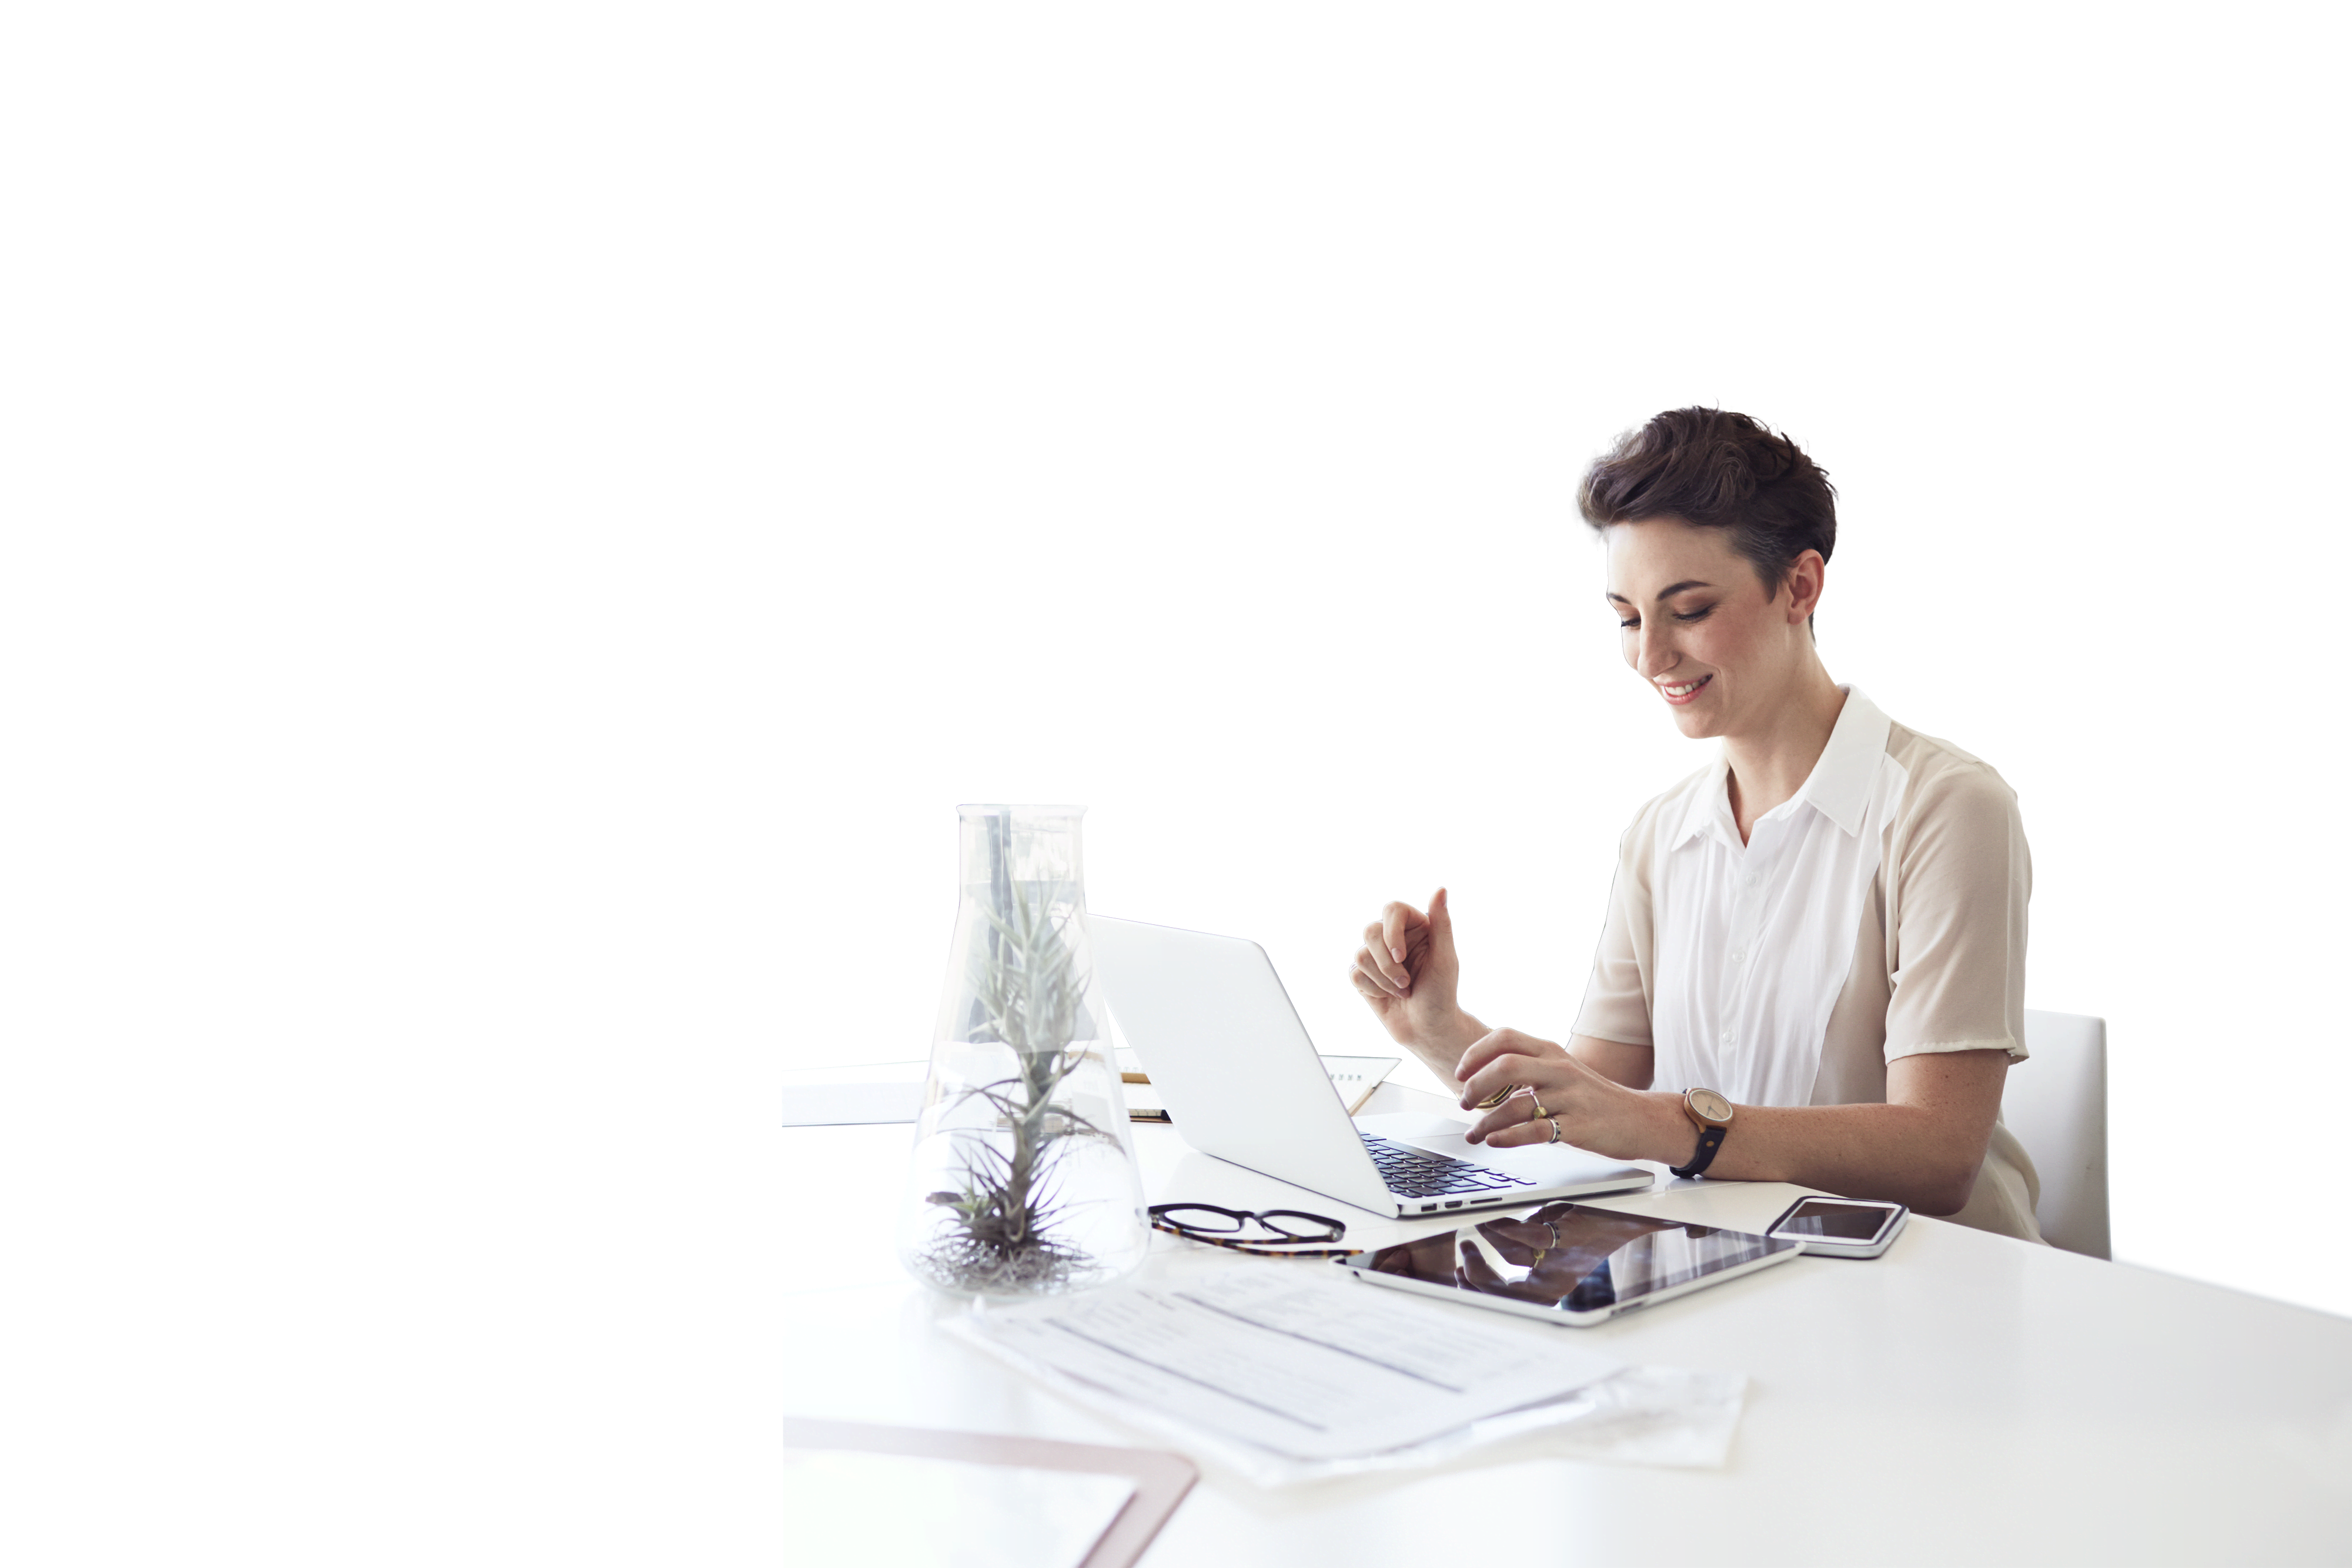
(1160, 1479)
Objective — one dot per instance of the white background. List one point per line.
(523, 523)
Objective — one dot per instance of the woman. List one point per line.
(1813, 965)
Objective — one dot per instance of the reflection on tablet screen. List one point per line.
(1567, 1256)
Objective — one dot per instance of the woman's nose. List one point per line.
(1658, 652)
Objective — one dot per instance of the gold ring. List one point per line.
(1496, 1098)
(1555, 1129)
(1541, 1115)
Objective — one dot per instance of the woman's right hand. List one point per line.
(1407, 973)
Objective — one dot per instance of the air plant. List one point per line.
(1028, 994)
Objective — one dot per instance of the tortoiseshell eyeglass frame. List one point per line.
(1228, 1235)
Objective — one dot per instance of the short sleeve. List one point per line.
(1617, 999)
(1955, 926)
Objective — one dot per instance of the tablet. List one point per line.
(1570, 1262)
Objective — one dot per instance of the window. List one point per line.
(1127, 692)
(1394, 675)
(1160, 701)
(864, 690)
(1483, 628)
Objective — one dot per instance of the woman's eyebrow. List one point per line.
(1663, 593)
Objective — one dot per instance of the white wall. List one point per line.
(2134, 610)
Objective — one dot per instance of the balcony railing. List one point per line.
(1224, 788)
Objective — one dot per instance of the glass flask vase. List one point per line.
(1024, 1179)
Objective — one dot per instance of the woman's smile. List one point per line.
(1681, 692)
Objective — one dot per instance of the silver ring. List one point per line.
(1555, 1129)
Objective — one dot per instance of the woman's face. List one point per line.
(1701, 629)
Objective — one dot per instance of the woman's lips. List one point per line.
(1689, 690)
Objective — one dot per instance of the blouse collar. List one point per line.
(1838, 787)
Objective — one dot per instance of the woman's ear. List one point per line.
(1805, 581)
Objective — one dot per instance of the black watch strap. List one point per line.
(1709, 1140)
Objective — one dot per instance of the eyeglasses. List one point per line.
(1224, 1228)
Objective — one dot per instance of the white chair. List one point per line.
(2056, 1106)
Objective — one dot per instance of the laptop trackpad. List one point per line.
(1412, 1127)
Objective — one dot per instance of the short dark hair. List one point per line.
(1716, 469)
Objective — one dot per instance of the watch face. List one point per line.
(1710, 1104)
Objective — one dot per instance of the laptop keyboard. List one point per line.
(1417, 1173)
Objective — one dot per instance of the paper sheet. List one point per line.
(899, 1510)
(1309, 1368)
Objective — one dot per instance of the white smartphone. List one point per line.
(1840, 1226)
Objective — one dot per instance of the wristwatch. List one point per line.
(1711, 1113)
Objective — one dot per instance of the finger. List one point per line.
(1367, 978)
(1505, 1056)
(1506, 1124)
(1477, 1271)
(1479, 1275)
(1397, 923)
(1493, 1045)
(1518, 1111)
(1484, 1050)
(1510, 1236)
(1496, 1104)
(1520, 1134)
(1490, 1091)
(1441, 921)
(1375, 954)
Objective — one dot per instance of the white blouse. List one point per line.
(1879, 912)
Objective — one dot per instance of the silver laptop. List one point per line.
(1223, 1046)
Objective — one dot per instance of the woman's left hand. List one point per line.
(1594, 1113)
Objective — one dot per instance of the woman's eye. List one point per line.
(1695, 614)
(1633, 625)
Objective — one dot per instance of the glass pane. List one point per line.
(1163, 840)
(864, 880)
(1130, 687)
(864, 847)
(866, 687)
(1492, 837)
(1156, 687)
(1483, 623)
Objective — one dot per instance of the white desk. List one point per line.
(1965, 1398)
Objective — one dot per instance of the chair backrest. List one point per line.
(2055, 1104)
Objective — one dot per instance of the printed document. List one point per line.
(1314, 1368)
